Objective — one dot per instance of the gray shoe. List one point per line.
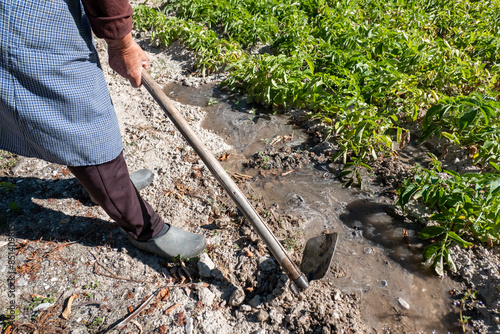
(140, 179)
(173, 243)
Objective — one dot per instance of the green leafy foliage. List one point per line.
(370, 71)
(467, 209)
(360, 67)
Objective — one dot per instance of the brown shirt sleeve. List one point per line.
(111, 19)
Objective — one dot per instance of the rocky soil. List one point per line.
(66, 250)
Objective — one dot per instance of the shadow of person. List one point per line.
(59, 212)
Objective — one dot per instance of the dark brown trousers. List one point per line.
(110, 186)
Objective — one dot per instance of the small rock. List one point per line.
(403, 303)
(337, 296)
(206, 296)
(237, 297)
(262, 316)
(42, 306)
(189, 325)
(245, 308)
(205, 265)
(246, 230)
(266, 263)
(276, 317)
(65, 220)
(255, 301)
(384, 283)
(325, 330)
(22, 281)
(303, 320)
(259, 331)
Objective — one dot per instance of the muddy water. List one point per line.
(378, 255)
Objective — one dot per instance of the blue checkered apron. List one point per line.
(54, 102)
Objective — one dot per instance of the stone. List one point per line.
(262, 316)
(337, 296)
(206, 296)
(255, 301)
(205, 265)
(403, 303)
(22, 281)
(189, 325)
(245, 308)
(42, 306)
(276, 317)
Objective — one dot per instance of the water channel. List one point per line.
(376, 261)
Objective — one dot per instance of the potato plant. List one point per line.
(369, 70)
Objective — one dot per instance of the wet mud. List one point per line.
(378, 255)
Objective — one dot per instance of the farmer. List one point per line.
(55, 106)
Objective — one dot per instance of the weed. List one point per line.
(14, 207)
(463, 320)
(8, 160)
(95, 324)
(6, 186)
(37, 300)
(212, 101)
(93, 285)
(265, 160)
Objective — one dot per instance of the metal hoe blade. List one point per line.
(318, 255)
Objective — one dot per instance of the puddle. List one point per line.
(379, 254)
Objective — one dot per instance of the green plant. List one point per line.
(95, 324)
(10, 317)
(352, 171)
(369, 71)
(37, 300)
(467, 206)
(212, 101)
(291, 241)
(463, 320)
(14, 207)
(265, 160)
(92, 285)
(8, 160)
(6, 186)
